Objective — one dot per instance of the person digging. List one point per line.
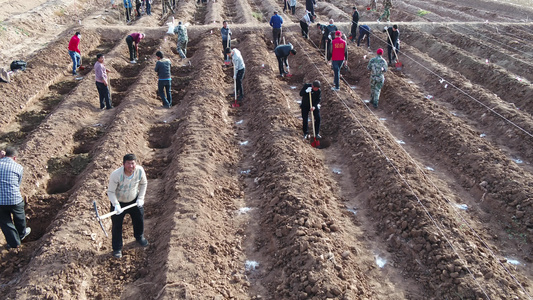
(282, 53)
(305, 106)
(127, 185)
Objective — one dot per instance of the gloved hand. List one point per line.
(140, 203)
(309, 90)
(318, 106)
(118, 209)
(386, 28)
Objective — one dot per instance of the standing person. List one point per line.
(12, 216)
(305, 21)
(148, 7)
(364, 32)
(373, 5)
(339, 54)
(276, 21)
(127, 185)
(310, 6)
(238, 73)
(377, 67)
(393, 35)
(292, 6)
(138, 5)
(166, 4)
(327, 36)
(355, 22)
(74, 51)
(100, 74)
(183, 39)
(162, 67)
(225, 32)
(282, 53)
(305, 106)
(387, 5)
(128, 6)
(133, 41)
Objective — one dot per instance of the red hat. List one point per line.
(380, 51)
(338, 33)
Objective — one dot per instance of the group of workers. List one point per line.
(128, 183)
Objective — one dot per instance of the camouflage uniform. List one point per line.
(183, 39)
(386, 13)
(377, 67)
(166, 4)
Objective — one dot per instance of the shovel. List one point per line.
(81, 67)
(398, 64)
(235, 104)
(315, 143)
(100, 218)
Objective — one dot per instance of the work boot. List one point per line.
(117, 253)
(142, 241)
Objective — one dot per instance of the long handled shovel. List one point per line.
(235, 104)
(315, 143)
(398, 64)
(100, 218)
(326, 53)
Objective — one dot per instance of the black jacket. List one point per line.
(394, 35)
(283, 50)
(315, 96)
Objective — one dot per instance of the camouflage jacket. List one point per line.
(181, 31)
(377, 66)
(387, 3)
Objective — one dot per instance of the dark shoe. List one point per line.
(306, 136)
(318, 136)
(109, 107)
(26, 233)
(117, 253)
(142, 241)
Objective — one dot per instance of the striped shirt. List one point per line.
(10, 179)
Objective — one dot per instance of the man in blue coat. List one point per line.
(276, 21)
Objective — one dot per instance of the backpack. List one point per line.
(18, 64)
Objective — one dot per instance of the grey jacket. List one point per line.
(162, 67)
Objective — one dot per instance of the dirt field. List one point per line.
(430, 196)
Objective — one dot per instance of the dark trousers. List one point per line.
(226, 44)
(128, 13)
(281, 61)
(293, 9)
(305, 117)
(138, 9)
(363, 34)
(390, 53)
(276, 35)
(238, 83)
(129, 41)
(285, 4)
(353, 31)
(162, 86)
(305, 28)
(148, 8)
(137, 219)
(13, 223)
(336, 65)
(103, 92)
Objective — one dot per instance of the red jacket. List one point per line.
(338, 49)
(74, 44)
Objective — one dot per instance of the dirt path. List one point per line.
(428, 196)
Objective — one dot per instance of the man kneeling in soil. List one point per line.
(127, 185)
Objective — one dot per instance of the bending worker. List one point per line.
(282, 53)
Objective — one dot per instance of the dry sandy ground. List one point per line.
(427, 197)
